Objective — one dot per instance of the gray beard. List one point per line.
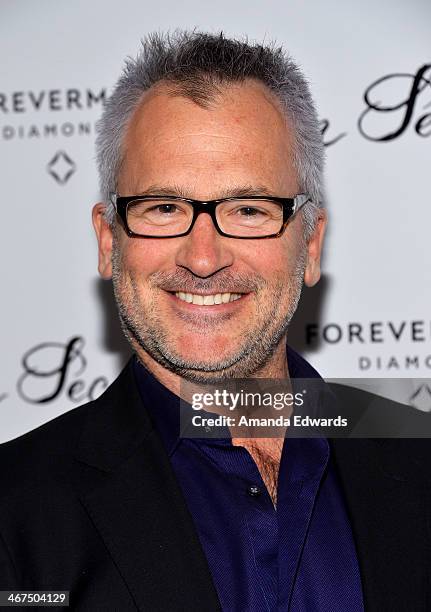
(258, 346)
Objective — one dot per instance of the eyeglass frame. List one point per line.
(290, 207)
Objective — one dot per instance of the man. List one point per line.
(210, 160)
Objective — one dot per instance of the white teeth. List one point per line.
(207, 300)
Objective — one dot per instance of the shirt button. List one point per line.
(254, 491)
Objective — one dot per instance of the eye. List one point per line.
(156, 208)
(250, 211)
(164, 208)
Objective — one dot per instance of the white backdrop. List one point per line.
(368, 317)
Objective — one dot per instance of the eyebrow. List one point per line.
(229, 192)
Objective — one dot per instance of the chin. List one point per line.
(208, 351)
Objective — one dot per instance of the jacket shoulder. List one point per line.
(42, 451)
(46, 456)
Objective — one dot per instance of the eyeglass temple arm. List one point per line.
(299, 201)
(113, 198)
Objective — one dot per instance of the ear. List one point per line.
(314, 250)
(104, 239)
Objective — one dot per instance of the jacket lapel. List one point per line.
(386, 485)
(134, 501)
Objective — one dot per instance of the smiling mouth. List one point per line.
(207, 300)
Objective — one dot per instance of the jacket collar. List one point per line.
(116, 424)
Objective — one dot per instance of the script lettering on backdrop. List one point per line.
(324, 128)
(407, 109)
(52, 369)
(404, 110)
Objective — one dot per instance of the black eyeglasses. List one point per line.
(252, 217)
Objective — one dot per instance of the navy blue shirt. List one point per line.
(299, 557)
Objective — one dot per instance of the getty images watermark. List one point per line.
(245, 410)
(254, 408)
(267, 408)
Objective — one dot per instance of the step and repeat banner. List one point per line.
(369, 67)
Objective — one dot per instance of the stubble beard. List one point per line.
(144, 330)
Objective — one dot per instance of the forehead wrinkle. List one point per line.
(193, 135)
(160, 139)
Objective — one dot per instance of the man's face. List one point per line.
(174, 146)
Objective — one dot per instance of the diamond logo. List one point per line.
(421, 398)
(61, 167)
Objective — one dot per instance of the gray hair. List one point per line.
(197, 64)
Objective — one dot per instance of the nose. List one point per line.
(204, 252)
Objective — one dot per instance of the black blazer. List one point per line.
(89, 503)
